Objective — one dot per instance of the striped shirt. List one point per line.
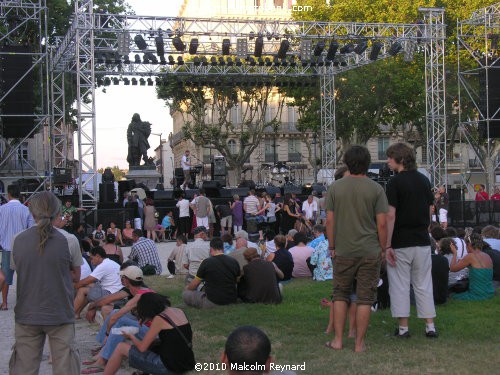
(144, 252)
(14, 218)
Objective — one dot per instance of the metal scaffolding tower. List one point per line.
(107, 46)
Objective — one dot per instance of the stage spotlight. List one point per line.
(332, 51)
(226, 45)
(178, 44)
(293, 63)
(180, 60)
(237, 61)
(196, 61)
(138, 59)
(284, 46)
(347, 48)
(252, 61)
(376, 47)
(269, 36)
(304, 63)
(158, 81)
(361, 47)
(140, 42)
(100, 82)
(150, 82)
(320, 61)
(116, 81)
(229, 61)
(126, 81)
(221, 61)
(193, 46)
(126, 59)
(259, 46)
(160, 46)
(151, 58)
(318, 49)
(305, 49)
(251, 35)
(276, 61)
(171, 60)
(261, 61)
(142, 82)
(213, 61)
(145, 59)
(268, 61)
(204, 61)
(134, 81)
(284, 62)
(395, 48)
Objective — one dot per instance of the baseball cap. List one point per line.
(241, 234)
(199, 230)
(133, 273)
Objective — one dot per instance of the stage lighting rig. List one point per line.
(178, 44)
(226, 46)
(259, 46)
(140, 42)
(347, 48)
(376, 47)
(361, 47)
(284, 46)
(137, 59)
(332, 50)
(171, 60)
(193, 46)
(318, 49)
(142, 82)
(160, 46)
(395, 48)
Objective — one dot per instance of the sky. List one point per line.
(114, 109)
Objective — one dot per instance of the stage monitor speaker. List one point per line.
(17, 78)
(179, 178)
(229, 192)
(218, 166)
(61, 176)
(489, 104)
(212, 188)
(273, 190)
(189, 193)
(248, 184)
(163, 194)
(107, 192)
(291, 189)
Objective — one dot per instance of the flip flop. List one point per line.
(89, 362)
(3, 307)
(96, 350)
(328, 345)
(93, 370)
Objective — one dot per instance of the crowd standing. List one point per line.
(356, 234)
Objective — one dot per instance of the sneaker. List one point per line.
(431, 334)
(405, 335)
(170, 277)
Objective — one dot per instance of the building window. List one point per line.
(269, 151)
(383, 144)
(294, 148)
(231, 144)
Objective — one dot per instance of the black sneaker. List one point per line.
(431, 334)
(405, 335)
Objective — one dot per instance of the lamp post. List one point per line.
(161, 157)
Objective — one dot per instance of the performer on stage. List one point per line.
(186, 168)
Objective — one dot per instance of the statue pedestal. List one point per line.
(144, 174)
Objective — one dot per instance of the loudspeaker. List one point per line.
(18, 106)
(108, 176)
(291, 189)
(273, 190)
(163, 194)
(107, 192)
(218, 166)
(189, 193)
(211, 188)
(124, 186)
(248, 184)
(61, 176)
(489, 104)
(179, 178)
(229, 192)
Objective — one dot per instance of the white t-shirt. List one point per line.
(85, 269)
(251, 204)
(183, 207)
(184, 163)
(108, 274)
(308, 209)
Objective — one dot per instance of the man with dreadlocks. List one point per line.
(47, 261)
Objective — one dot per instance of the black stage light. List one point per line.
(361, 47)
(134, 81)
(347, 48)
(332, 51)
(237, 61)
(100, 82)
(162, 60)
(319, 47)
(269, 36)
(204, 61)
(226, 45)
(145, 58)
(293, 63)
(259, 46)
(126, 59)
(150, 82)
(395, 48)
(160, 46)
(284, 46)
(261, 61)
(276, 61)
(193, 46)
(312, 62)
(140, 42)
(320, 61)
(376, 47)
(251, 61)
(142, 82)
(213, 61)
(171, 60)
(221, 61)
(178, 44)
(138, 59)
(251, 35)
(229, 61)
(158, 81)
(284, 62)
(126, 81)
(196, 61)
(180, 60)
(268, 61)
(116, 81)
(152, 58)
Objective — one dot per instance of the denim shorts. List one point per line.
(9, 274)
(147, 362)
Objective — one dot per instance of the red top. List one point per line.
(482, 196)
(495, 197)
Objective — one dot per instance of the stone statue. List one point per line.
(137, 136)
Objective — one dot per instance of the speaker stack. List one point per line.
(219, 170)
(61, 176)
(489, 104)
(18, 106)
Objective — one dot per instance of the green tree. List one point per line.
(117, 172)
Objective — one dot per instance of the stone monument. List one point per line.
(137, 137)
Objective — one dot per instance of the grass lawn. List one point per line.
(469, 341)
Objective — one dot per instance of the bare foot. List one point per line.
(3, 307)
(328, 330)
(352, 335)
(360, 348)
(333, 345)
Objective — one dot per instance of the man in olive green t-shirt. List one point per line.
(356, 228)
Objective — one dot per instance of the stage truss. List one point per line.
(17, 17)
(478, 39)
(102, 45)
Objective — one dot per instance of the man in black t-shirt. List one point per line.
(408, 249)
(220, 273)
